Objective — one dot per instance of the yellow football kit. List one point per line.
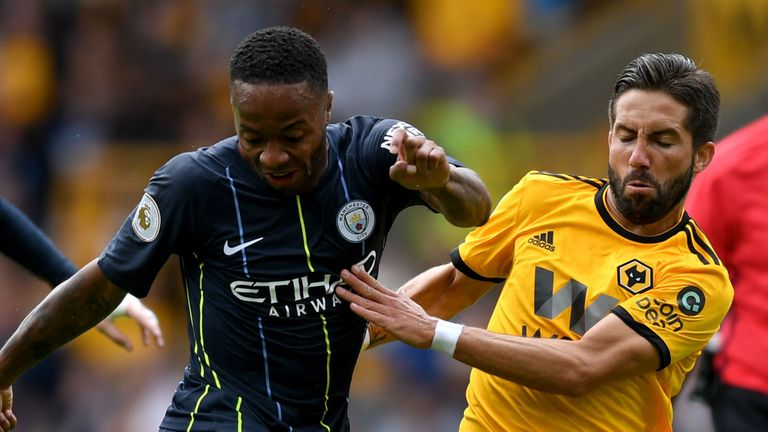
(566, 264)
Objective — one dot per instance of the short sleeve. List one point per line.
(160, 225)
(487, 252)
(680, 315)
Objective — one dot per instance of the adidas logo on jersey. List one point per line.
(544, 240)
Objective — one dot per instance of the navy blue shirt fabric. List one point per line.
(271, 346)
(22, 241)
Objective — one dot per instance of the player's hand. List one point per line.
(421, 164)
(377, 336)
(132, 307)
(398, 315)
(7, 418)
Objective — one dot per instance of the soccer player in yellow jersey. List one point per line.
(610, 290)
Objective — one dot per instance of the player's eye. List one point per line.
(252, 141)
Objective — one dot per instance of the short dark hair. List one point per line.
(679, 77)
(279, 55)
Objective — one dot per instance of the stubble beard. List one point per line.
(643, 209)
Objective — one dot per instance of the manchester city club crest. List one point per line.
(355, 221)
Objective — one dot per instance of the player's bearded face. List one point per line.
(648, 208)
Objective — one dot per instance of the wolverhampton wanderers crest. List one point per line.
(634, 276)
(355, 221)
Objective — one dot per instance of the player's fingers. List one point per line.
(369, 314)
(348, 295)
(370, 310)
(362, 289)
(108, 328)
(398, 135)
(366, 278)
(410, 148)
(145, 336)
(5, 422)
(368, 288)
(150, 327)
(11, 419)
(147, 320)
(423, 155)
(436, 158)
(7, 418)
(400, 171)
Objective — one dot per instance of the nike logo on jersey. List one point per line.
(233, 250)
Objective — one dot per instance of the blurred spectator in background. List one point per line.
(730, 202)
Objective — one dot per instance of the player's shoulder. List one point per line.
(695, 258)
(697, 251)
(546, 179)
(362, 129)
(204, 159)
(710, 280)
(197, 169)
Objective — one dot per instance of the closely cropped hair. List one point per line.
(677, 76)
(279, 55)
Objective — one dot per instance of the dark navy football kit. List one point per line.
(272, 348)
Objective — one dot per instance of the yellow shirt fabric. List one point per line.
(566, 264)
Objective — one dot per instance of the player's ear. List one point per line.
(703, 156)
(328, 107)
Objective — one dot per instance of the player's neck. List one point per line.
(667, 222)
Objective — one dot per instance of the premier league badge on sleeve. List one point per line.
(146, 220)
(355, 221)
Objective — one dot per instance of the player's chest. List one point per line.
(588, 265)
(302, 233)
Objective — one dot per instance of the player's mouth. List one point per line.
(282, 178)
(637, 186)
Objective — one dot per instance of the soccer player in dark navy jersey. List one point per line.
(263, 223)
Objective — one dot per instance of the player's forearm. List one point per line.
(443, 291)
(464, 201)
(74, 307)
(549, 365)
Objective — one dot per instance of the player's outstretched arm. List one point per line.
(609, 351)
(69, 310)
(22, 241)
(458, 193)
(441, 291)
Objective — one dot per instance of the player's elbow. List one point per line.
(472, 215)
(481, 211)
(578, 380)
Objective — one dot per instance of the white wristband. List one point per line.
(446, 336)
(122, 308)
